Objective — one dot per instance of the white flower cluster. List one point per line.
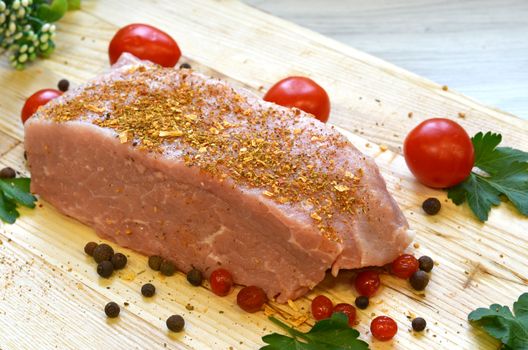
(24, 36)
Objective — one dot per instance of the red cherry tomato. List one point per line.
(348, 310)
(439, 153)
(145, 42)
(383, 328)
(322, 307)
(39, 98)
(221, 282)
(404, 266)
(251, 299)
(303, 93)
(367, 283)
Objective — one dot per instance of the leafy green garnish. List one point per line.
(506, 174)
(74, 5)
(52, 12)
(499, 322)
(13, 192)
(332, 333)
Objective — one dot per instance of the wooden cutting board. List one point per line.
(51, 296)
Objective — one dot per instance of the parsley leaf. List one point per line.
(499, 322)
(332, 333)
(13, 192)
(506, 174)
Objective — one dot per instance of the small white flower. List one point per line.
(18, 35)
(45, 27)
(12, 27)
(53, 28)
(16, 5)
(31, 49)
(44, 38)
(2, 6)
(25, 3)
(24, 48)
(21, 12)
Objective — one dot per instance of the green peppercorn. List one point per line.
(195, 277)
(175, 323)
(119, 261)
(419, 324)
(431, 206)
(148, 290)
(155, 262)
(112, 309)
(426, 263)
(7, 173)
(103, 252)
(362, 302)
(105, 269)
(90, 247)
(419, 280)
(167, 268)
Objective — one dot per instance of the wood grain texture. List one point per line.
(50, 289)
(477, 47)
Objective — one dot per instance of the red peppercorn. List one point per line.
(322, 307)
(383, 328)
(348, 310)
(251, 299)
(221, 282)
(367, 283)
(404, 266)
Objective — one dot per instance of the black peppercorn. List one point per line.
(175, 323)
(426, 263)
(103, 252)
(90, 247)
(119, 261)
(195, 277)
(112, 309)
(155, 262)
(148, 290)
(362, 302)
(431, 206)
(105, 269)
(7, 173)
(63, 85)
(185, 65)
(419, 324)
(419, 280)
(167, 268)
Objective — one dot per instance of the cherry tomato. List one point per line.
(367, 283)
(348, 310)
(145, 42)
(221, 282)
(303, 93)
(439, 153)
(322, 307)
(383, 328)
(404, 266)
(39, 98)
(251, 299)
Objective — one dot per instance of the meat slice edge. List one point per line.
(162, 207)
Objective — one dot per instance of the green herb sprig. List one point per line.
(504, 171)
(27, 30)
(332, 333)
(14, 192)
(499, 322)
